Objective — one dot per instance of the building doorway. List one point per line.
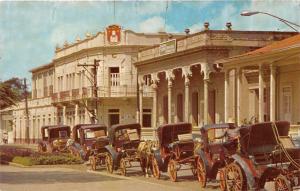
(195, 109)
(212, 106)
(180, 108)
(113, 117)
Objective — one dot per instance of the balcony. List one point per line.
(54, 97)
(64, 96)
(75, 94)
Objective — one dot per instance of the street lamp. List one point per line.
(288, 23)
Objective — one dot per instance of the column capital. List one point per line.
(154, 78)
(186, 71)
(206, 69)
(141, 80)
(170, 75)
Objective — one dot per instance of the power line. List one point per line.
(167, 5)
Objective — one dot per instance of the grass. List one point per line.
(26, 161)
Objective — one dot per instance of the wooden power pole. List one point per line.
(26, 112)
(94, 87)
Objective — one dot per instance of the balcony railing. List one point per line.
(75, 94)
(64, 96)
(103, 91)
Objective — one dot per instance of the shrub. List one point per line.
(5, 158)
(26, 161)
(56, 159)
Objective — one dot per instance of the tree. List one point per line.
(11, 91)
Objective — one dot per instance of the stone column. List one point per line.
(273, 93)
(64, 116)
(186, 98)
(154, 106)
(141, 103)
(238, 95)
(261, 94)
(170, 85)
(205, 109)
(226, 95)
(76, 115)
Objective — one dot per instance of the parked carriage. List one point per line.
(89, 141)
(54, 138)
(213, 151)
(267, 154)
(124, 142)
(176, 147)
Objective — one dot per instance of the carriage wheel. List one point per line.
(235, 179)
(282, 183)
(123, 166)
(93, 162)
(194, 169)
(172, 169)
(143, 165)
(155, 168)
(222, 180)
(109, 163)
(201, 172)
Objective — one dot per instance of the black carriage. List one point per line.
(266, 154)
(212, 152)
(175, 148)
(54, 138)
(123, 149)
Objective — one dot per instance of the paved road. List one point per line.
(58, 178)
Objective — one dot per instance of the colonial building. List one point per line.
(188, 84)
(267, 83)
(63, 91)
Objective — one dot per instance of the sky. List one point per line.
(29, 31)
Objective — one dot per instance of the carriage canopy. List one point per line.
(123, 128)
(169, 133)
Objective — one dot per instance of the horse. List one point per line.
(145, 154)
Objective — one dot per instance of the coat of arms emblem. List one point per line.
(113, 33)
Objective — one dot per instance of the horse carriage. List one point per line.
(54, 138)
(176, 147)
(123, 149)
(89, 143)
(213, 151)
(266, 154)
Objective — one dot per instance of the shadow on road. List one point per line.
(51, 177)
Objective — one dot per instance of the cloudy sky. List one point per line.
(29, 31)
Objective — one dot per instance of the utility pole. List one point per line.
(94, 86)
(26, 112)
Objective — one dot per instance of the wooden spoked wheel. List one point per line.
(282, 183)
(172, 169)
(143, 165)
(123, 167)
(201, 172)
(194, 169)
(235, 179)
(93, 162)
(155, 168)
(222, 180)
(109, 163)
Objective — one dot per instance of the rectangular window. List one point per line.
(113, 117)
(147, 118)
(114, 76)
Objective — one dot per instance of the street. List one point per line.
(55, 178)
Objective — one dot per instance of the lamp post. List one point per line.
(288, 23)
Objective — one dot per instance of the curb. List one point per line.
(128, 178)
(17, 165)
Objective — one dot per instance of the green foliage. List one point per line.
(26, 161)
(53, 159)
(11, 91)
